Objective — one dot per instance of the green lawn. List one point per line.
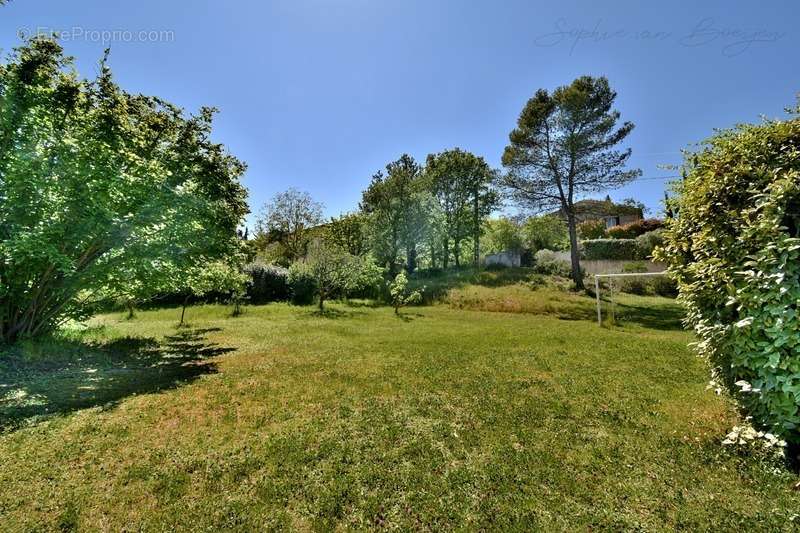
(447, 417)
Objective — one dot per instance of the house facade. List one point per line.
(611, 213)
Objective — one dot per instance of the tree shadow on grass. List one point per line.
(331, 313)
(363, 304)
(408, 316)
(663, 317)
(69, 375)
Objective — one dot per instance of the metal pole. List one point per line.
(597, 294)
(611, 296)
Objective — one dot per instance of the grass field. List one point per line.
(446, 417)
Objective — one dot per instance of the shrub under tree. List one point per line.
(610, 249)
(734, 249)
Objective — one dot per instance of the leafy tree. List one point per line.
(502, 234)
(218, 277)
(562, 148)
(288, 217)
(331, 267)
(461, 183)
(592, 229)
(734, 249)
(395, 204)
(546, 232)
(436, 232)
(401, 294)
(349, 232)
(100, 189)
(365, 279)
(636, 204)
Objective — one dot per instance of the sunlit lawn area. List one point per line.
(446, 417)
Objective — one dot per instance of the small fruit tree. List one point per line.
(401, 294)
(734, 250)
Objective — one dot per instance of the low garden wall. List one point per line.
(609, 266)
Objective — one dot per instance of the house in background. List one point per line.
(613, 214)
(507, 259)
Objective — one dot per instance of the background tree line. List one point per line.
(435, 214)
(111, 196)
(410, 215)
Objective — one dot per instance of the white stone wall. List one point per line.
(509, 259)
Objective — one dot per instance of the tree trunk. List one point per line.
(575, 255)
(411, 259)
(476, 231)
(321, 302)
(183, 310)
(131, 312)
(446, 254)
(457, 253)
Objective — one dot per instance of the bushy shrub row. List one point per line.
(548, 263)
(611, 249)
(657, 285)
(641, 247)
(592, 229)
(267, 283)
(302, 285)
(634, 229)
(734, 250)
(648, 242)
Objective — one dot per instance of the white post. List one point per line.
(612, 303)
(597, 294)
(611, 297)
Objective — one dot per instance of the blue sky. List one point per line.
(319, 94)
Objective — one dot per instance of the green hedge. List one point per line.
(302, 285)
(613, 249)
(634, 229)
(267, 283)
(734, 250)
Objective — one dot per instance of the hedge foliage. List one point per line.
(548, 263)
(267, 283)
(634, 229)
(613, 249)
(592, 229)
(734, 250)
(648, 242)
(302, 285)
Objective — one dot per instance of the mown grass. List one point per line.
(444, 418)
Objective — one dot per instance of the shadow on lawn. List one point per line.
(408, 316)
(663, 317)
(667, 316)
(76, 375)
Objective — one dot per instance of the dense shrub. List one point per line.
(647, 242)
(365, 280)
(734, 249)
(664, 286)
(302, 286)
(267, 283)
(634, 267)
(546, 262)
(634, 229)
(592, 229)
(614, 249)
(546, 232)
